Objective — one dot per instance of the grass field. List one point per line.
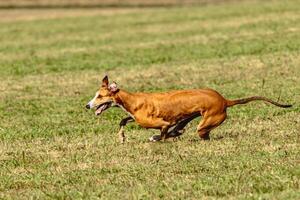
(51, 64)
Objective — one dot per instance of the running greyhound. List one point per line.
(174, 109)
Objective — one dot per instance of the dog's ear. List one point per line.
(113, 87)
(105, 81)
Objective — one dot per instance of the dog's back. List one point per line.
(175, 105)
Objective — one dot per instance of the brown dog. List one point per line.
(169, 109)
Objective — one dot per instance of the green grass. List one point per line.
(51, 147)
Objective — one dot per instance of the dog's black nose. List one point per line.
(87, 106)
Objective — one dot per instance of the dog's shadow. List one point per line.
(231, 135)
(228, 135)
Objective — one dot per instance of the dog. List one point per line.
(168, 110)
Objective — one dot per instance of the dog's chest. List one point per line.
(131, 115)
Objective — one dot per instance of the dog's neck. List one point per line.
(126, 100)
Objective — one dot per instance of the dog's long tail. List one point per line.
(255, 98)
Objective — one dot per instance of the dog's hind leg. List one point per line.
(208, 123)
(178, 129)
(122, 124)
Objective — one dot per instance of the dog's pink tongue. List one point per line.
(98, 112)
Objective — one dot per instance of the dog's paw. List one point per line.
(155, 138)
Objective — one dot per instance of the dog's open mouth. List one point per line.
(102, 107)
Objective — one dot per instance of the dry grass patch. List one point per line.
(13, 15)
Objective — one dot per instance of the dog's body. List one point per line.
(170, 109)
(156, 110)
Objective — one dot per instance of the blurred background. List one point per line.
(100, 3)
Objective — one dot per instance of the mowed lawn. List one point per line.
(51, 64)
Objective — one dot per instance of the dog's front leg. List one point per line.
(164, 132)
(162, 136)
(122, 124)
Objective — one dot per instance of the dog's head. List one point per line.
(104, 97)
